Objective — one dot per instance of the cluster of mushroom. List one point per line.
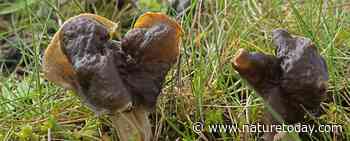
(119, 78)
(124, 78)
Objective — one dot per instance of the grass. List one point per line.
(204, 87)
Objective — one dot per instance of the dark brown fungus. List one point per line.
(96, 61)
(292, 83)
(122, 79)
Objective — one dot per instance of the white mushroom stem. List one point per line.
(133, 125)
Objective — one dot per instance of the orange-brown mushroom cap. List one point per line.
(166, 49)
(150, 19)
(240, 60)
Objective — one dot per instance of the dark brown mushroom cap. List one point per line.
(293, 81)
(56, 66)
(97, 62)
(153, 44)
(107, 75)
(301, 63)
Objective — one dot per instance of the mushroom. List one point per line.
(293, 83)
(120, 78)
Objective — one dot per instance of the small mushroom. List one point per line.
(119, 78)
(292, 83)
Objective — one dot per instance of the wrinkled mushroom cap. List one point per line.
(56, 65)
(81, 58)
(292, 81)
